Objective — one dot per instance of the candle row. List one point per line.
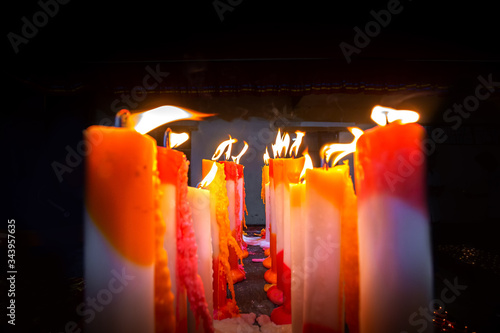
(158, 252)
(344, 258)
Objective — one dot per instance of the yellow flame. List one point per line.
(146, 121)
(298, 140)
(343, 148)
(281, 145)
(209, 177)
(383, 115)
(176, 139)
(236, 159)
(266, 157)
(308, 164)
(220, 149)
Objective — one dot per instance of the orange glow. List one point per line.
(236, 159)
(281, 145)
(143, 122)
(294, 149)
(220, 149)
(308, 164)
(209, 177)
(266, 157)
(342, 148)
(176, 139)
(383, 115)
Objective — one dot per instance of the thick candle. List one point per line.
(119, 254)
(394, 236)
(297, 199)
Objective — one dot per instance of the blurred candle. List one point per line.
(297, 199)
(394, 236)
(120, 190)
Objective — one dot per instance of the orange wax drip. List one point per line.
(122, 167)
(265, 180)
(223, 307)
(173, 168)
(349, 266)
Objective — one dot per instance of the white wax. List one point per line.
(395, 265)
(122, 292)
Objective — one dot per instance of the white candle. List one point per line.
(199, 201)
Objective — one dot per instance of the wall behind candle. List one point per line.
(258, 133)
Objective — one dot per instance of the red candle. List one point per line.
(394, 236)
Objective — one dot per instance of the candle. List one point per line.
(297, 250)
(282, 172)
(221, 241)
(120, 189)
(180, 239)
(394, 242)
(199, 201)
(322, 287)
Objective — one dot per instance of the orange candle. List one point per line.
(323, 301)
(120, 190)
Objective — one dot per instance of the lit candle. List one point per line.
(180, 238)
(394, 236)
(283, 172)
(121, 188)
(221, 240)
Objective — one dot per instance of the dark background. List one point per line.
(89, 54)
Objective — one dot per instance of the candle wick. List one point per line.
(166, 138)
(121, 118)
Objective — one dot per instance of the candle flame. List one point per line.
(236, 159)
(176, 139)
(266, 157)
(143, 122)
(209, 177)
(342, 148)
(220, 149)
(308, 164)
(281, 145)
(294, 149)
(383, 115)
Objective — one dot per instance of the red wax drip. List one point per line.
(187, 257)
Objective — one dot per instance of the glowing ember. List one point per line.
(383, 115)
